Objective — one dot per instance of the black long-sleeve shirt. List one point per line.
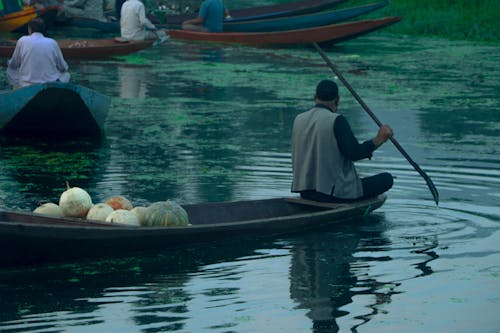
(347, 142)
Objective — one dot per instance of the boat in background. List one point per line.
(47, 13)
(268, 11)
(20, 16)
(53, 109)
(29, 238)
(88, 48)
(302, 21)
(331, 34)
(237, 15)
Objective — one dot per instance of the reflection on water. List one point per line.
(202, 123)
(132, 82)
(196, 290)
(34, 171)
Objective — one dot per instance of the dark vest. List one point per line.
(317, 162)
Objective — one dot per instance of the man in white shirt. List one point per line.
(134, 24)
(36, 59)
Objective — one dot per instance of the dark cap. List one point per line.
(327, 90)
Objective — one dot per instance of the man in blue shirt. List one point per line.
(210, 17)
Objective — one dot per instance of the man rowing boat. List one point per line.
(324, 150)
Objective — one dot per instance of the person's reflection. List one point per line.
(133, 81)
(321, 276)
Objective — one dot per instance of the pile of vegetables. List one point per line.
(76, 202)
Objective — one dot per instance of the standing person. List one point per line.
(210, 18)
(134, 24)
(324, 150)
(36, 59)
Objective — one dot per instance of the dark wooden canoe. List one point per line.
(302, 21)
(277, 10)
(88, 48)
(238, 15)
(27, 238)
(329, 33)
(88, 23)
(53, 109)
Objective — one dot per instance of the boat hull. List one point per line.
(81, 49)
(53, 109)
(325, 34)
(302, 21)
(13, 21)
(255, 13)
(27, 238)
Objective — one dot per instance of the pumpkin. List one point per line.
(99, 212)
(119, 202)
(140, 212)
(75, 202)
(50, 209)
(181, 212)
(165, 214)
(123, 216)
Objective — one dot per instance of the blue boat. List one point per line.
(302, 21)
(53, 109)
(266, 11)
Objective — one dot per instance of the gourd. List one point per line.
(99, 212)
(181, 212)
(165, 214)
(75, 202)
(119, 202)
(140, 212)
(123, 216)
(49, 209)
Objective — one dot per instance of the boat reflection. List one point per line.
(329, 280)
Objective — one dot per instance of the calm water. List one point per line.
(198, 123)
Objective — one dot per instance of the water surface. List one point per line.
(199, 123)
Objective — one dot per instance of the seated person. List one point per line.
(134, 25)
(210, 17)
(324, 149)
(90, 9)
(36, 59)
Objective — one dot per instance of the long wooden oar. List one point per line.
(428, 180)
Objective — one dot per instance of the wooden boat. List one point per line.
(47, 13)
(325, 34)
(88, 23)
(27, 238)
(89, 48)
(53, 109)
(302, 21)
(18, 19)
(268, 11)
(238, 15)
